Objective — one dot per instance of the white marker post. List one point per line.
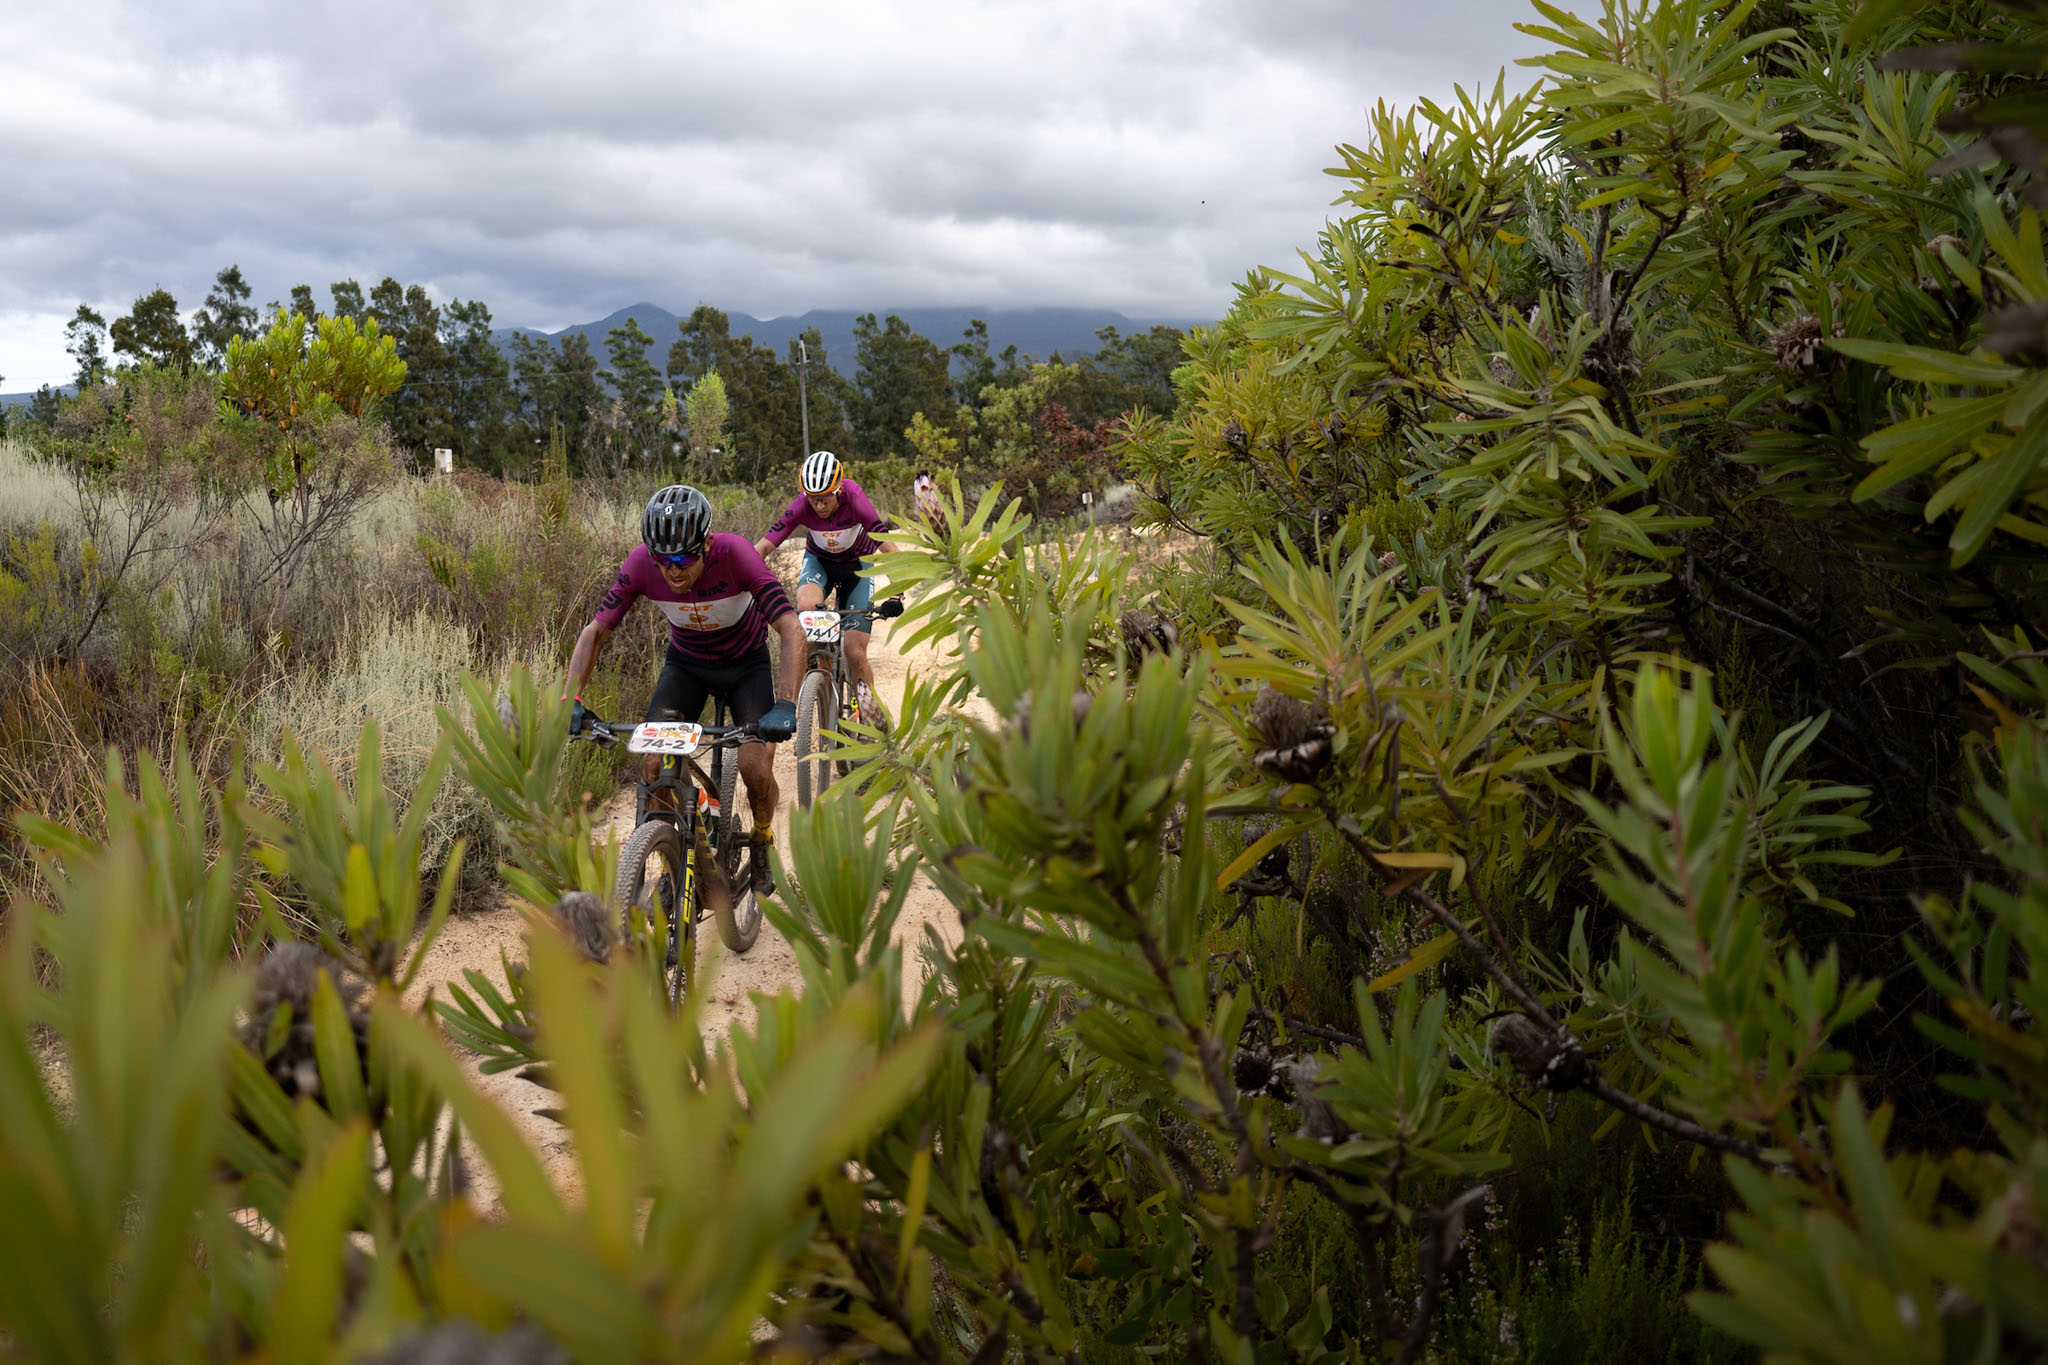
(444, 460)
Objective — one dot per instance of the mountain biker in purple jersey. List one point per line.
(841, 526)
(720, 600)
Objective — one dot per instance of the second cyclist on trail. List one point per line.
(841, 527)
(720, 599)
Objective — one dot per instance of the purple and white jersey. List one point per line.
(725, 613)
(841, 538)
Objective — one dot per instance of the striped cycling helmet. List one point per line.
(822, 472)
(677, 521)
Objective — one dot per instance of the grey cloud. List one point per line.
(558, 164)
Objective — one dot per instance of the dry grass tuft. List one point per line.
(37, 491)
(400, 671)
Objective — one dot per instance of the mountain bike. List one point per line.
(690, 849)
(828, 697)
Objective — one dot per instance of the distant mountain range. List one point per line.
(1036, 332)
(12, 400)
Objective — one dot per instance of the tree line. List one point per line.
(907, 397)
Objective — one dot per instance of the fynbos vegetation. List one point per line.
(1554, 869)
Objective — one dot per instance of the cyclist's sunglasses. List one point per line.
(678, 561)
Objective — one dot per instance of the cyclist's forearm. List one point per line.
(765, 547)
(792, 656)
(589, 645)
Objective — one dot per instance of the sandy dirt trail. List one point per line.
(482, 941)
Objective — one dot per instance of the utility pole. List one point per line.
(803, 396)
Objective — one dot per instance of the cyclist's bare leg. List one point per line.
(856, 642)
(757, 770)
(809, 596)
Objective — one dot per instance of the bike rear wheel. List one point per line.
(817, 710)
(656, 903)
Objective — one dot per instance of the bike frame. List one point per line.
(831, 659)
(682, 777)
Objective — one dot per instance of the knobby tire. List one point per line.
(817, 710)
(640, 894)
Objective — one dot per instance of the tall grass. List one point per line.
(33, 491)
(400, 671)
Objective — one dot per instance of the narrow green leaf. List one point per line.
(359, 890)
(324, 1209)
(334, 1048)
(2010, 471)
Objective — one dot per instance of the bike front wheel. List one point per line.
(817, 711)
(740, 925)
(655, 902)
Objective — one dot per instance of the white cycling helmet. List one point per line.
(822, 472)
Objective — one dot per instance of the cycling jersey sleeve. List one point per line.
(623, 593)
(787, 522)
(863, 510)
(753, 571)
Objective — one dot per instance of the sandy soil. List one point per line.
(483, 941)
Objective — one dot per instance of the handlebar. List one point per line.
(714, 736)
(880, 609)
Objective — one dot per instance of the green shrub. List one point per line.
(1573, 610)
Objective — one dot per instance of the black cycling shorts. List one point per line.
(746, 685)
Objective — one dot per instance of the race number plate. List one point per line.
(665, 737)
(820, 627)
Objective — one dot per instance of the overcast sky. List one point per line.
(559, 161)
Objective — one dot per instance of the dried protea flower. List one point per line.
(1318, 1119)
(1950, 280)
(1549, 1060)
(1020, 715)
(1145, 634)
(1252, 1072)
(1082, 702)
(285, 983)
(1234, 436)
(1296, 735)
(1539, 327)
(1498, 367)
(1611, 358)
(507, 717)
(1797, 344)
(925, 490)
(589, 927)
